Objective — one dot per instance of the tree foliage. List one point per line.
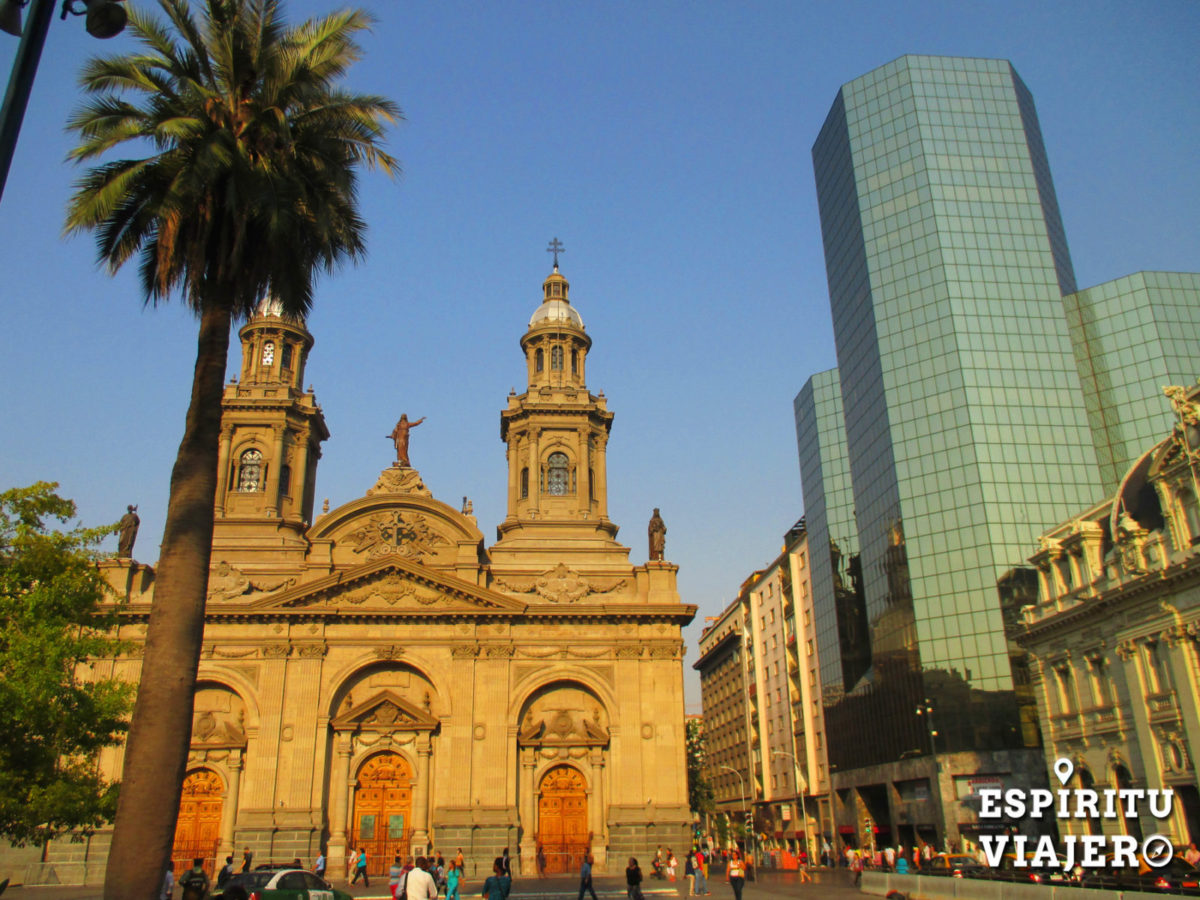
(54, 719)
(700, 792)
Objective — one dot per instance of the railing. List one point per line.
(380, 853)
(184, 853)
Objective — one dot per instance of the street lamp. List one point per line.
(926, 710)
(801, 790)
(747, 825)
(105, 19)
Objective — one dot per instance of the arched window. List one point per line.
(287, 356)
(250, 471)
(525, 480)
(556, 359)
(574, 362)
(556, 475)
(285, 480)
(538, 360)
(268, 356)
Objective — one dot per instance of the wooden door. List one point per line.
(198, 828)
(383, 810)
(563, 819)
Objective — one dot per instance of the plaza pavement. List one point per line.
(771, 885)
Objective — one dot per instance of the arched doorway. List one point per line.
(563, 819)
(198, 828)
(383, 810)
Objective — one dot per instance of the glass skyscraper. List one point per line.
(1132, 336)
(965, 431)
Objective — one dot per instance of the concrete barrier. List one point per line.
(933, 887)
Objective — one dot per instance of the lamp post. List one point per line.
(926, 710)
(801, 790)
(747, 825)
(105, 19)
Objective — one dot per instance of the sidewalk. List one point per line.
(771, 885)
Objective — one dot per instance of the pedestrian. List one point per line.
(735, 873)
(901, 863)
(195, 882)
(351, 863)
(701, 877)
(498, 884)
(319, 866)
(633, 880)
(672, 864)
(856, 866)
(396, 875)
(889, 858)
(657, 864)
(453, 876)
(168, 881)
(420, 884)
(689, 872)
(507, 863)
(541, 860)
(226, 872)
(247, 859)
(585, 878)
(461, 861)
(360, 868)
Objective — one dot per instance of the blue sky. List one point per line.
(667, 144)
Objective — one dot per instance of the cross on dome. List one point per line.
(555, 248)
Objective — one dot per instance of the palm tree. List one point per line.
(248, 190)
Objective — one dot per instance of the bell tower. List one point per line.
(557, 436)
(271, 434)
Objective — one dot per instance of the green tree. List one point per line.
(249, 190)
(700, 792)
(53, 618)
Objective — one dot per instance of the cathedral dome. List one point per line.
(556, 312)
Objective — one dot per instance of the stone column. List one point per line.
(273, 473)
(223, 470)
(420, 834)
(229, 810)
(527, 807)
(600, 810)
(601, 476)
(339, 793)
(1139, 686)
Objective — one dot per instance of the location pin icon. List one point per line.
(1063, 769)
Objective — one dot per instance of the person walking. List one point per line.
(698, 866)
(689, 872)
(226, 872)
(396, 878)
(360, 868)
(351, 863)
(585, 878)
(672, 864)
(419, 884)
(194, 882)
(498, 884)
(319, 865)
(453, 877)
(507, 863)
(735, 874)
(633, 880)
(168, 881)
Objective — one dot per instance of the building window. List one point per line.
(525, 483)
(1066, 687)
(556, 472)
(556, 359)
(268, 356)
(538, 360)
(285, 480)
(574, 362)
(250, 471)
(591, 484)
(287, 356)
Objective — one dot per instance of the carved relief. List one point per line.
(397, 480)
(561, 585)
(465, 651)
(392, 651)
(276, 651)
(311, 651)
(226, 582)
(390, 589)
(218, 718)
(563, 716)
(396, 531)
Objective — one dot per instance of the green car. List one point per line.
(279, 884)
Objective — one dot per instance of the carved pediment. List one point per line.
(404, 532)
(392, 584)
(561, 728)
(561, 584)
(385, 712)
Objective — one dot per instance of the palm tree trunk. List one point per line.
(160, 733)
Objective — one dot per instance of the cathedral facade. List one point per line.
(375, 676)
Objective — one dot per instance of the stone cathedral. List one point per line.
(381, 678)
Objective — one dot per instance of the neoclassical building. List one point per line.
(1112, 622)
(376, 676)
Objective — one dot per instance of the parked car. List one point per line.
(278, 884)
(955, 865)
